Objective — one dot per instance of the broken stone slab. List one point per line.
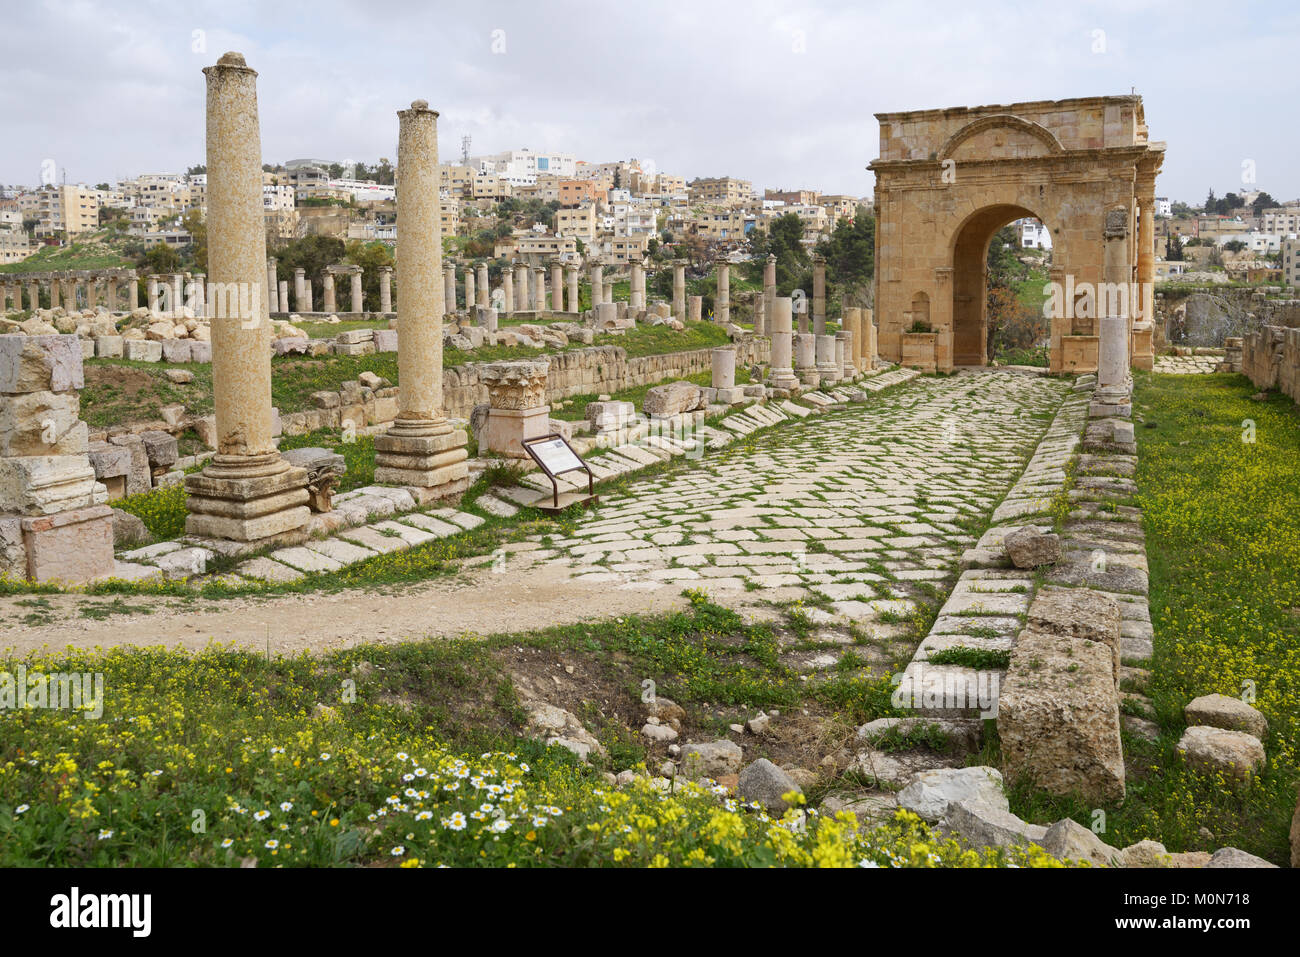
(1078, 613)
(161, 448)
(1235, 857)
(930, 792)
(1068, 840)
(324, 470)
(964, 734)
(1058, 716)
(1221, 711)
(40, 364)
(1027, 547)
(764, 782)
(1234, 753)
(673, 398)
(985, 825)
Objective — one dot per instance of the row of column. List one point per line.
(278, 291)
(66, 292)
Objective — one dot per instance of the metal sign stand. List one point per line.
(555, 457)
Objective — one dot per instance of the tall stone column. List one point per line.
(247, 492)
(722, 300)
(521, 287)
(132, 291)
(70, 295)
(1113, 382)
(327, 292)
(471, 294)
(284, 295)
(385, 289)
(782, 370)
(571, 272)
(507, 291)
(449, 288)
(299, 289)
(34, 295)
(54, 292)
(358, 300)
(539, 290)
(1144, 318)
(851, 321)
(92, 292)
(845, 338)
(483, 299)
(679, 290)
(151, 293)
(597, 283)
(421, 449)
(200, 296)
(272, 287)
(819, 296)
(557, 286)
(636, 300)
(178, 293)
(607, 291)
(769, 294)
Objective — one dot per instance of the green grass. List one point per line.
(1222, 522)
(72, 256)
(978, 658)
(107, 401)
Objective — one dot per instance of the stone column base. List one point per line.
(829, 375)
(810, 378)
(259, 508)
(507, 428)
(436, 463)
(70, 547)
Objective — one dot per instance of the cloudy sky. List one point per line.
(779, 93)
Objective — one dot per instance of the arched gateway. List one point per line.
(947, 180)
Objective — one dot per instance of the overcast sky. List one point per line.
(778, 93)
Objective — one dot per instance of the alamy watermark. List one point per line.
(58, 691)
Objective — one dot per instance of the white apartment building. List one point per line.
(522, 167)
(1291, 262)
(1034, 235)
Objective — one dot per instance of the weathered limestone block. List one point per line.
(142, 350)
(1068, 840)
(1027, 547)
(1220, 711)
(711, 759)
(140, 477)
(610, 416)
(1058, 712)
(1219, 750)
(72, 546)
(45, 484)
(931, 792)
(40, 364)
(42, 423)
(518, 408)
(672, 398)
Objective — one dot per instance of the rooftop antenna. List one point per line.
(464, 150)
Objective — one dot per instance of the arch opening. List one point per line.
(970, 280)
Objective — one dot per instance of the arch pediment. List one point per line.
(999, 137)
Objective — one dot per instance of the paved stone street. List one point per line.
(860, 509)
(1187, 365)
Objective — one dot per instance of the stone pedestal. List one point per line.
(421, 450)
(517, 405)
(247, 492)
(597, 284)
(724, 368)
(694, 308)
(827, 368)
(300, 289)
(636, 299)
(52, 514)
(844, 354)
(805, 360)
(782, 370)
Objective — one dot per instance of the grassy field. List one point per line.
(72, 256)
(1222, 519)
(410, 755)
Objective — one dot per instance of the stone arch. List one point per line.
(969, 251)
(1034, 138)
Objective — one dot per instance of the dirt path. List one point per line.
(475, 602)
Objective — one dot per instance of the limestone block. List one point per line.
(40, 364)
(139, 477)
(72, 546)
(108, 347)
(1221, 711)
(200, 350)
(161, 448)
(1219, 750)
(45, 484)
(930, 792)
(385, 340)
(609, 416)
(1058, 716)
(176, 350)
(672, 398)
(142, 350)
(13, 553)
(42, 423)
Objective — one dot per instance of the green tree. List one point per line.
(850, 253)
(1263, 201)
(1173, 249)
(312, 254)
(194, 224)
(783, 240)
(158, 258)
(370, 257)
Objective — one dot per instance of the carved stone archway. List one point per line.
(947, 180)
